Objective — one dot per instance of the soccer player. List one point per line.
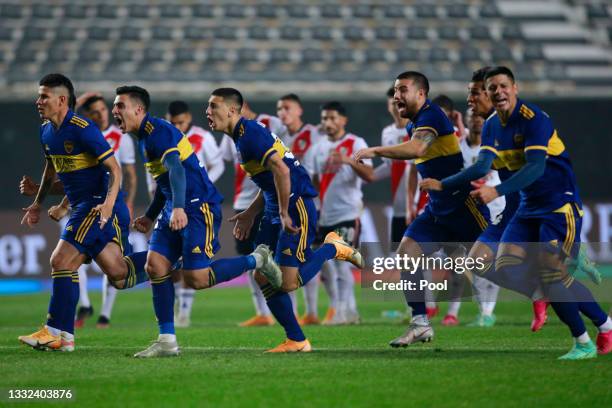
(77, 152)
(449, 216)
(245, 192)
(205, 148)
(188, 206)
(300, 137)
(339, 179)
(289, 218)
(95, 109)
(522, 138)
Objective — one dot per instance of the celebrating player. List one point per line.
(289, 214)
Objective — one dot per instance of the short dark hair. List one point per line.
(178, 108)
(334, 106)
(479, 74)
(499, 70)
(291, 97)
(136, 92)
(419, 79)
(57, 80)
(391, 92)
(229, 95)
(90, 101)
(444, 102)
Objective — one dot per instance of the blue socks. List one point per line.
(281, 307)
(136, 269)
(163, 303)
(312, 266)
(227, 269)
(415, 298)
(64, 299)
(586, 303)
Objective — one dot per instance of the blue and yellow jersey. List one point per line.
(529, 128)
(442, 159)
(158, 138)
(255, 145)
(77, 150)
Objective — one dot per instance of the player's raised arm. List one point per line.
(412, 149)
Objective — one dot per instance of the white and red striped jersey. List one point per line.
(470, 155)
(339, 186)
(273, 123)
(205, 147)
(122, 145)
(301, 142)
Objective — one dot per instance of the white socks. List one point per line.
(109, 293)
(83, 294)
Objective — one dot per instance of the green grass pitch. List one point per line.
(224, 365)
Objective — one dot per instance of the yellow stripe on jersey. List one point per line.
(570, 233)
(82, 123)
(435, 132)
(303, 214)
(210, 232)
(555, 145)
(156, 167)
(445, 145)
(498, 163)
(118, 237)
(105, 154)
(512, 159)
(480, 219)
(67, 163)
(85, 225)
(278, 147)
(254, 167)
(526, 112)
(149, 127)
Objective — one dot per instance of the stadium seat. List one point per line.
(458, 10)
(512, 32)
(183, 55)
(597, 11)
(170, 11)
(138, 11)
(415, 32)
(12, 11)
(501, 53)
(490, 10)
(88, 55)
(235, 11)
(26, 55)
(153, 55)
(373, 55)
(291, 33)
(385, 33)
(266, 11)
(217, 55)
(203, 11)
(407, 55)
(75, 11)
(362, 11)
(122, 55)
(533, 53)
(60, 52)
(312, 55)
(163, 33)
(537, 10)
(353, 33)
(43, 11)
(248, 55)
(99, 34)
(225, 32)
(298, 11)
(448, 32)
(279, 55)
(258, 32)
(426, 10)
(107, 11)
(342, 55)
(130, 33)
(66, 33)
(323, 33)
(480, 32)
(197, 33)
(394, 11)
(34, 33)
(6, 34)
(330, 11)
(469, 54)
(438, 54)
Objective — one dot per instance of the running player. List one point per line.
(77, 152)
(289, 218)
(188, 206)
(449, 216)
(522, 138)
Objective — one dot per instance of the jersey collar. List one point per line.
(240, 129)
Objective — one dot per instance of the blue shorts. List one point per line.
(493, 234)
(83, 229)
(464, 224)
(290, 249)
(558, 231)
(197, 243)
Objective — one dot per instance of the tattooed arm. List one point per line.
(414, 148)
